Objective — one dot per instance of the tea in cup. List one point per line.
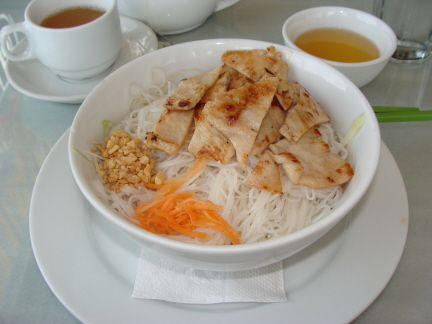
(77, 39)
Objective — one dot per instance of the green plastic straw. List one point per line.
(386, 114)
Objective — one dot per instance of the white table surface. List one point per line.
(30, 127)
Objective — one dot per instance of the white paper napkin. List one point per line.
(161, 279)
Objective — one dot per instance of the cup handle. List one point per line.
(27, 54)
(222, 4)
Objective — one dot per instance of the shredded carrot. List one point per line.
(171, 212)
(172, 184)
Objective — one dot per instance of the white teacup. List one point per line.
(75, 53)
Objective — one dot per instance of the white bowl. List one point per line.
(349, 19)
(341, 99)
(172, 16)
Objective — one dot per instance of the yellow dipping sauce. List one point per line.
(338, 45)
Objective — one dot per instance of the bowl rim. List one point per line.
(227, 250)
(383, 26)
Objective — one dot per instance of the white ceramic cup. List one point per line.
(75, 54)
(172, 16)
(350, 19)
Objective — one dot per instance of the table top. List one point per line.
(30, 127)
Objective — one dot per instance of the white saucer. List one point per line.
(90, 265)
(35, 80)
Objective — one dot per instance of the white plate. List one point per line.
(35, 80)
(90, 265)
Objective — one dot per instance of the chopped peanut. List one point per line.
(127, 162)
(160, 177)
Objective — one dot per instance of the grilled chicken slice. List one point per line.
(309, 162)
(237, 79)
(190, 91)
(288, 94)
(266, 175)
(280, 67)
(238, 114)
(255, 63)
(220, 86)
(269, 130)
(251, 63)
(170, 131)
(305, 114)
(207, 141)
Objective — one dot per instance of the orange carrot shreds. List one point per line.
(195, 203)
(172, 213)
(157, 203)
(172, 199)
(172, 184)
(179, 213)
